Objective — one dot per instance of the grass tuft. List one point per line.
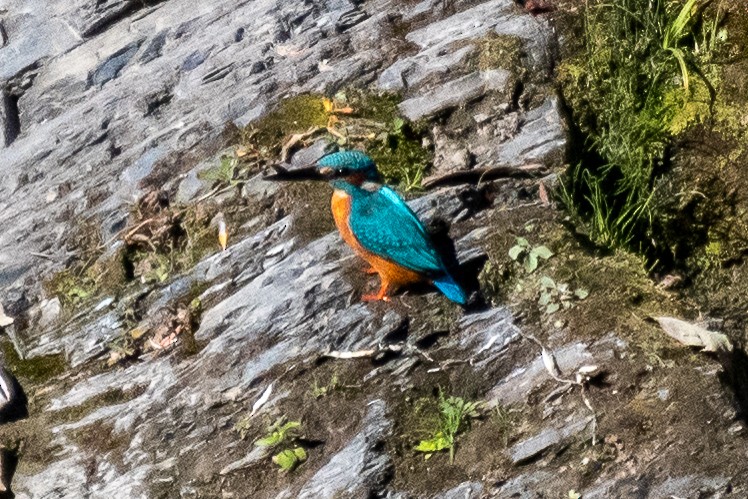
(630, 90)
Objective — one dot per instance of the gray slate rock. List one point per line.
(550, 437)
(452, 94)
(361, 467)
(467, 490)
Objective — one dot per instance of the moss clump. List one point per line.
(353, 119)
(70, 288)
(91, 273)
(501, 51)
(394, 143)
(293, 115)
(492, 280)
(399, 155)
(36, 370)
(222, 173)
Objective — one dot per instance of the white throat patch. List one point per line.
(370, 186)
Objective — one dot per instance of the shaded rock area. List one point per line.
(111, 104)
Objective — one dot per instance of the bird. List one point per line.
(380, 228)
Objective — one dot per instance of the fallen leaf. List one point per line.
(169, 340)
(223, 235)
(552, 308)
(547, 283)
(589, 369)
(327, 103)
(344, 110)
(114, 357)
(693, 335)
(138, 332)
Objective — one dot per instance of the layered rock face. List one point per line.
(102, 103)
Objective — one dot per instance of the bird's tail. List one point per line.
(451, 289)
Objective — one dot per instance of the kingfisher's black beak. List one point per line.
(304, 173)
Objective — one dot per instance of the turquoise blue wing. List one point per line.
(386, 226)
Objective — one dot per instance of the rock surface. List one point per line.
(103, 103)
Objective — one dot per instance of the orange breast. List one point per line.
(390, 272)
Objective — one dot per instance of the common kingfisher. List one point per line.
(375, 221)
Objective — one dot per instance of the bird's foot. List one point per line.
(376, 297)
(370, 270)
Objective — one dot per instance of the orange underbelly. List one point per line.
(395, 275)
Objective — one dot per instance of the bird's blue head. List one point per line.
(354, 167)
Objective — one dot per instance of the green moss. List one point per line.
(492, 280)
(378, 107)
(293, 115)
(70, 288)
(223, 172)
(92, 275)
(360, 119)
(36, 370)
(713, 249)
(501, 51)
(394, 143)
(400, 157)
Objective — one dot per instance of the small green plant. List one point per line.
(454, 417)
(675, 31)
(554, 296)
(243, 426)
(505, 420)
(399, 153)
(527, 255)
(319, 391)
(223, 173)
(289, 459)
(282, 433)
(279, 432)
(412, 179)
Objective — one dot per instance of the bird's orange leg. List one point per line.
(383, 293)
(371, 270)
